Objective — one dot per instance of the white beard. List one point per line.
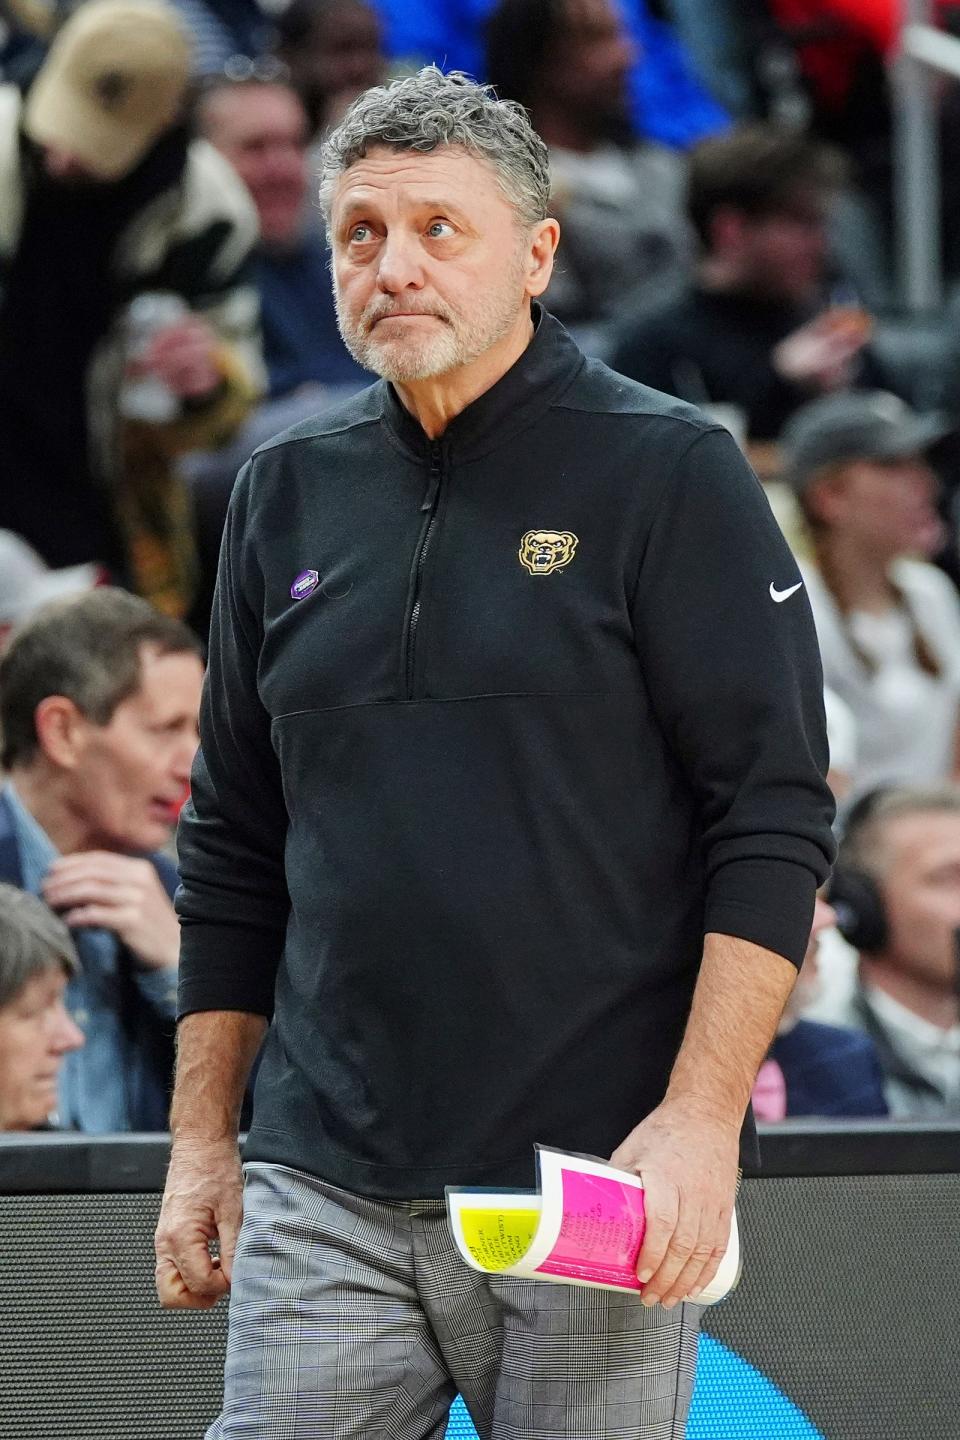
(458, 339)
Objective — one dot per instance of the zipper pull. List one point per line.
(433, 483)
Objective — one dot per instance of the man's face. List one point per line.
(888, 507)
(131, 774)
(429, 262)
(36, 1031)
(589, 62)
(782, 255)
(262, 131)
(921, 894)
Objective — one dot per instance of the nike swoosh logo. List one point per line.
(778, 596)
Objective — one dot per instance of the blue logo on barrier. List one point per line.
(732, 1401)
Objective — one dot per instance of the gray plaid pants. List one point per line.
(355, 1319)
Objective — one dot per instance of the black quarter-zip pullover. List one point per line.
(495, 728)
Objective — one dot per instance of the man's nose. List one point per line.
(61, 164)
(400, 266)
(184, 757)
(65, 1032)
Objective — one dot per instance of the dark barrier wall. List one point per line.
(846, 1324)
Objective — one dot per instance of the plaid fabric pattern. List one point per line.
(355, 1319)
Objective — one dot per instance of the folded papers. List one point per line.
(583, 1226)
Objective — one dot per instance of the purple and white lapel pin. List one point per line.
(304, 585)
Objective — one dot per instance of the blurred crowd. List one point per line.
(722, 172)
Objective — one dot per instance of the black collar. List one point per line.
(544, 370)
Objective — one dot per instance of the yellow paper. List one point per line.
(498, 1238)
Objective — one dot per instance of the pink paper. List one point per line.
(601, 1232)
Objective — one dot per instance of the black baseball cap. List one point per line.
(855, 425)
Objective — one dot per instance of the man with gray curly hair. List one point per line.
(506, 827)
(438, 115)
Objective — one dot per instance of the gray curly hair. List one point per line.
(427, 110)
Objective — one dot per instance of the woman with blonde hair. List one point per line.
(888, 621)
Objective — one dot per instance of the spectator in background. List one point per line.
(896, 891)
(619, 201)
(99, 697)
(334, 50)
(667, 100)
(36, 1029)
(260, 126)
(754, 330)
(887, 620)
(106, 200)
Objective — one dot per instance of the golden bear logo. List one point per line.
(543, 551)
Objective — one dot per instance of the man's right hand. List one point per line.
(202, 1201)
(821, 355)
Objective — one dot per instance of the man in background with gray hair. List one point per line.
(508, 820)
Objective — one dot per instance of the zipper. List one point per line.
(430, 508)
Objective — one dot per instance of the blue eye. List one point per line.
(436, 227)
(359, 233)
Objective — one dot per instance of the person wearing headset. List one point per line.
(815, 1069)
(896, 895)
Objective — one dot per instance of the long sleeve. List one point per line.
(233, 900)
(729, 653)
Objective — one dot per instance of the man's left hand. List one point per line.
(100, 889)
(184, 356)
(688, 1160)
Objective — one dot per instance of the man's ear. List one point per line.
(544, 238)
(62, 731)
(823, 499)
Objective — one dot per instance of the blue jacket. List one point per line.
(830, 1071)
(149, 1034)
